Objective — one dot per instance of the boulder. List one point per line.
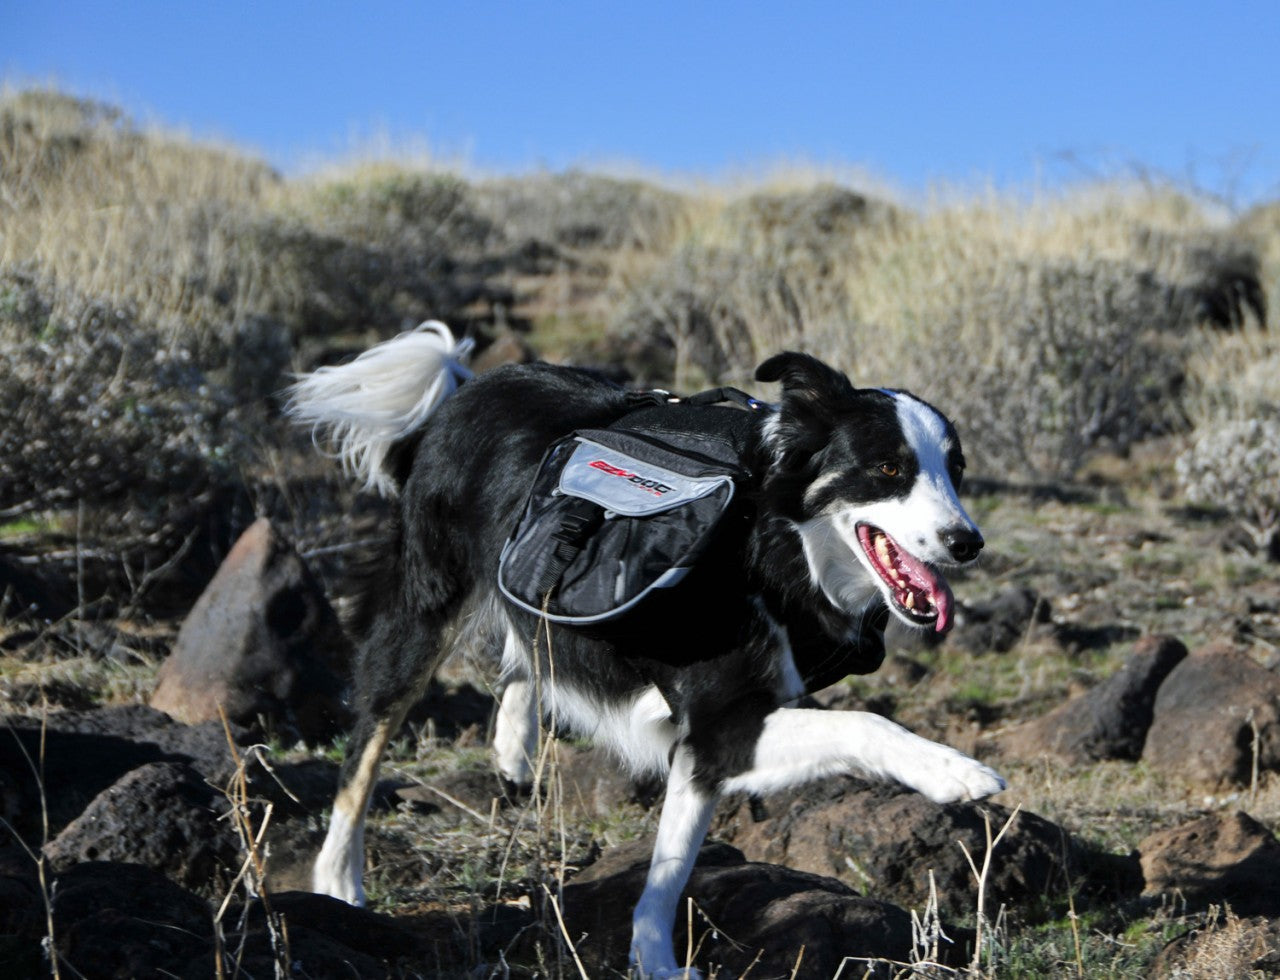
(997, 625)
(1111, 720)
(85, 752)
(163, 815)
(125, 920)
(1223, 857)
(261, 641)
(746, 913)
(886, 840)
(327, 939)
(1216, 719)
(594, 784)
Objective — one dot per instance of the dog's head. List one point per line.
(873, 475)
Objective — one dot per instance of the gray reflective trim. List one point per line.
(629, 486)
(668, 579)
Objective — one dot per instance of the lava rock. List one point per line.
(163, 815)
(997, 625)
(1216, 719)
(1223, 857)
(1111, 720)
(885, 841)
(84, 752)
(261, 642)
(746, 913)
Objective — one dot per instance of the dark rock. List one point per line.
(112, 919)
(163, 815)
(1109, 721)
(746, 913)
(295, 789)
(327, 939)
(1216, 718)
(262, 642)
(87, 751)
(1000, 623)
(358, 929)
(886, 840)
(457, 797)
(124, 920)
(1224, 857)
(21, 904)
(28, 591)
(453, 711)
(595, 785)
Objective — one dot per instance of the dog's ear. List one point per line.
(808, 385)
(813, 395)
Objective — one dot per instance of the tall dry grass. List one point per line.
(134, 219)
(1053, 327)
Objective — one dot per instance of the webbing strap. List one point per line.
(575, 527)
(714, 396)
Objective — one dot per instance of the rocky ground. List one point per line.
(1115, 658)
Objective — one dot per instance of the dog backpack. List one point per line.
(619, 512)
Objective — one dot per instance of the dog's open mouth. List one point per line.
(919, 594)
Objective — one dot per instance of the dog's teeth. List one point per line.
(911, 600)
(882, 551)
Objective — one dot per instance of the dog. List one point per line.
(854, 513)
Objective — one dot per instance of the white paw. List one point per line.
(666, 973)
(339, 867)
(654, 960)
(946, 776)
(341, 888)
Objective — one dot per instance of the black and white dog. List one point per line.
(854, 510)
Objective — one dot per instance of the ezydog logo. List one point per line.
(650, 486)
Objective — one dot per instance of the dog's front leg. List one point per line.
(802, 744)
(686, 814)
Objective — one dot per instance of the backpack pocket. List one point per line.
(612, 516)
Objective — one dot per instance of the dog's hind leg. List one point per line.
(396, 662)
(339, 868)
(801, 744)
(686, 814)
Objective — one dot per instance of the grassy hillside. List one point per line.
(1107, 351)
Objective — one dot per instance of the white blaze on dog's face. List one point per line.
(879, 472)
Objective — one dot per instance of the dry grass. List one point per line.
(144, 221)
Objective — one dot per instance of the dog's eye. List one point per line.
(889, 469)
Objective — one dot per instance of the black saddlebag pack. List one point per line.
(617, 513)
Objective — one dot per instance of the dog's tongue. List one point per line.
(935, 588)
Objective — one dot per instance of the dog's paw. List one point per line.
(947, 776)
(669, 973)
(655, 961)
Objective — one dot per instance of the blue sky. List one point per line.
(913, 92)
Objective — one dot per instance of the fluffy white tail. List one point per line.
(363, 408)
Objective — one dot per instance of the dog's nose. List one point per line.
(964, 543)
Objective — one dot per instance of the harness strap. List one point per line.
(714, 396)
(575, 527)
